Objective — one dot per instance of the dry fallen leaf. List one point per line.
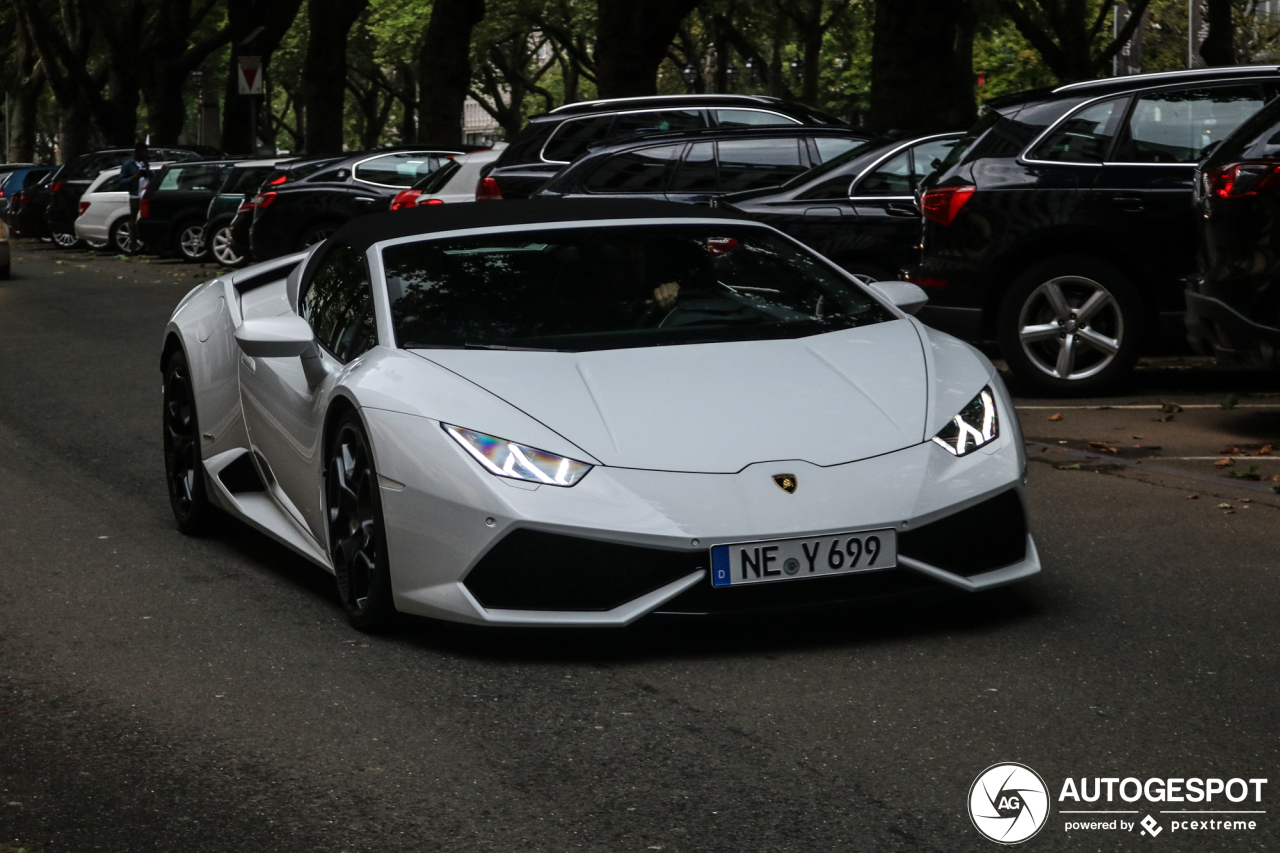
(1229, 450)
(1170, 408)
(1056, 416)
(1224, 506)
(1229, 512)
(1246, 500)
(1222, 463)
(1136, 438)
(1193, 497)
(1265, 451)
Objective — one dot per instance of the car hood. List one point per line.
(716, 408)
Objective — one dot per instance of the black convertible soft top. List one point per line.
(362, 233)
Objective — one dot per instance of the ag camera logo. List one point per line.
(1009, 803)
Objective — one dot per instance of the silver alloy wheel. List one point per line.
(223, 252)
(192, 242)
(65, 241)
(122, 237)
(1071, 327)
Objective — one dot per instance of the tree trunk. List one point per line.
(243, 17)
(444, 69)
(73, 130)
(24, 99)
(921, 66)
(1219, 45)
(632, 38)
(166, 108)
(324, 71)
(408, 86)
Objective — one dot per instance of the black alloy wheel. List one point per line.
(357, 538)
(1071, 325)
(316, 234)
(183, 466)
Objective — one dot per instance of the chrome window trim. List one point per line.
(701, 109)
(890, 155)
(359, 163)
(542, 150)
(1027, 160)
(758, 99)
(1188, 71)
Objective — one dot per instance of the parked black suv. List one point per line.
(239, 185)
(69, 183)
(859, 208)
(552, 140)
(1063, 223)
(174, 208)
(1233, 306)
(309, 204)
(697, 166)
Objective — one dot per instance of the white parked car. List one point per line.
(104, 211)
(453, 182)
(580, 413)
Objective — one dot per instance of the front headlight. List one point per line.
(975, 426)
(504, 458)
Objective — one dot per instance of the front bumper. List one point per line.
(1215, 328)
(467, 546)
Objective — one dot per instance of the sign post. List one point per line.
(250, 79)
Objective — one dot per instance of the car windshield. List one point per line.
(578, 289)
(434, 182)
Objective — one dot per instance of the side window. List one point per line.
(339, 304)
(575, 136)
(113, 184)
(1177, 126)
(893, 177)
(629, 124)
(170, 179)
(643, 171)
(751, 118)
(748, 164)
(1084, 137)
(403, 169)
(928, 156)
(698, 171)
(829, 147)
(193, 178)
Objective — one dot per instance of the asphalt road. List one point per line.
(164, 693)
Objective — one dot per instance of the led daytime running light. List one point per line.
(976, 425)
(504, 458)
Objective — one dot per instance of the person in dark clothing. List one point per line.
(135, 173)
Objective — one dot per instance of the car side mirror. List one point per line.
(902, 294)
(275, 337)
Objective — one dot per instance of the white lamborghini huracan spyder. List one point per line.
(582, 412)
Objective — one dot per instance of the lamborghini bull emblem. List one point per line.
(786, 482)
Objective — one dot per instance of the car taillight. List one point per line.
(405, 199)
(430, 201)
(56, 187)
(926, 281)
(22, 200)
(245, 206)
(943, 204)
(84, 205)
(487, 189)
(263, 200)
(144, 208)
(1246, 178)
(280, 180)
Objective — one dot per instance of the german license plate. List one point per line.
(806, 557)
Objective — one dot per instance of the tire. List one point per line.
(357, 535)
(4, 273)
(315, 233)
(118, 236)
(222, 248)
(65, 241)
(1049, 341)
(191, 245)
(184, 469)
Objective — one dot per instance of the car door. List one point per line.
(1144, 191)
(883, 199)
(642, 173)
(184, 189)
(285, 399)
